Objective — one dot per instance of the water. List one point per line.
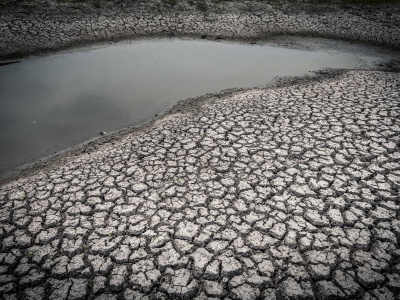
(52, 103)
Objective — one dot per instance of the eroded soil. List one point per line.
(284, 192)
(39, 26)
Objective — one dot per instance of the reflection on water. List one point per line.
(49, 104)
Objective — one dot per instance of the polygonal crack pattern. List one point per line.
(281, 193)
(33, 26)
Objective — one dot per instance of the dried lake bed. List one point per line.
(285, 191)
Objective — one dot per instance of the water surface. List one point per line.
(52, 103)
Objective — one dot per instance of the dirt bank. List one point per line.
(36, 27)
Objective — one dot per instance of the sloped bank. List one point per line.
(43, 26)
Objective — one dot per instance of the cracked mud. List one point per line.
(35, 26)
(289, 192)
(278, 193)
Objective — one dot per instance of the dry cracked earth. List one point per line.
(282, 193)
(42, 25)
(287, 192)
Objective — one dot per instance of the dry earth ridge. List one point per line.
(289, 192)
(37, 26)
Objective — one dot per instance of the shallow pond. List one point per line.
(52, 103)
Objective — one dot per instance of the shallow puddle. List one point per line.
(52, 103)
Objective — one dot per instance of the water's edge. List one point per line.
(184, 106)
(187, 104)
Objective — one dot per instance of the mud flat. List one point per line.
(284, 192)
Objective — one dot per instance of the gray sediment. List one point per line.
(289, 191)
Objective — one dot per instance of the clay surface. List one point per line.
(284, 192)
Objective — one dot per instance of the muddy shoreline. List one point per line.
(184, 106)
(34, 28)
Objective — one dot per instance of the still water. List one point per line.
(52, 103)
